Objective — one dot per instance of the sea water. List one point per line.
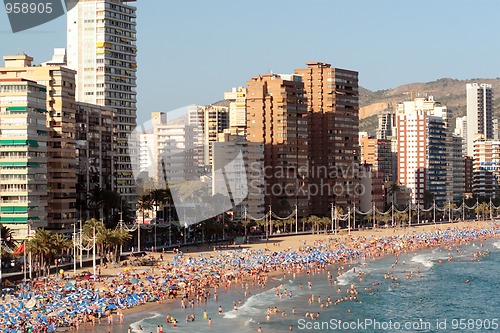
(439, 296)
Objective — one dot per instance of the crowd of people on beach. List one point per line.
(43, 305)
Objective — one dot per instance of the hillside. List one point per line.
(449, 92)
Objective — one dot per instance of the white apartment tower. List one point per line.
(461, 130)
(101, 47)
(479, 113)
(237, 107)
(422, 159)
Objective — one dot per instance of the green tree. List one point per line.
(144, 204)
(46, 247)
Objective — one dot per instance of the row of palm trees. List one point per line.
(153, 200)
(47, 247)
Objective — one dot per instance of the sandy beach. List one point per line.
(292, 242)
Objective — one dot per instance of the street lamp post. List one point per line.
(296, 219)
(29, 254)
(418, 212)
(449, 210)
(93, 251)
(74, 249)
(491, 209)
(392, 214)
(349, 220)
(138, 236)
(121, 231)
(463, 209)
(332, 218)
(269, 221)
(434, 209)
(409, 212)
(156, 222)
(81, 244)
(373, 214)
(354, 217)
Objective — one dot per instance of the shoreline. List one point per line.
(138, 313)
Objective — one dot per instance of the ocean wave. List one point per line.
(497, 245)
(347, 277)
(144, 324)
(427, 259)
(256, 303)
(423, 259)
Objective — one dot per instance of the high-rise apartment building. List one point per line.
(378, 154)
(486, 168)
(386, 125)
(211, 121)
(225, 158)
(276, 118)
(237, 107)
(23, 155)
(174, 155)
(479, 113)
(94, 151)
(61, 152)
(469, 172)
(461, 131)
(422, 149)
(146, 166)
(457, 165)
(331, 95)
(101, 45)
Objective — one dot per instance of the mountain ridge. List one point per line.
(450, 92)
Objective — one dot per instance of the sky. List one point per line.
(191, 51)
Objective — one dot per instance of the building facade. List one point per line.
(237, 107)
(422, 149)
(461, 131)
(479, 113)
(332, 98)
(276, 118)
(175, 154)
(23, 155)
(94, 152)
(486, 168)
(211, 121)
(61, 150)
(101, 45)
(226, 150)
(378, 154)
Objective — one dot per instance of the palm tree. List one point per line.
(144, 204)
(291, 221)
(47, 247)
(95, 200)
(158, 197)
(482, 209)
(7, 237)
(39, 246)
(325, 222)
(95, 226)
(393, 192)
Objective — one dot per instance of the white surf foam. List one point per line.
(144, 325)
(427, 259)
(347, 277)
(258, 303)
(497, 245)
(423, 259)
